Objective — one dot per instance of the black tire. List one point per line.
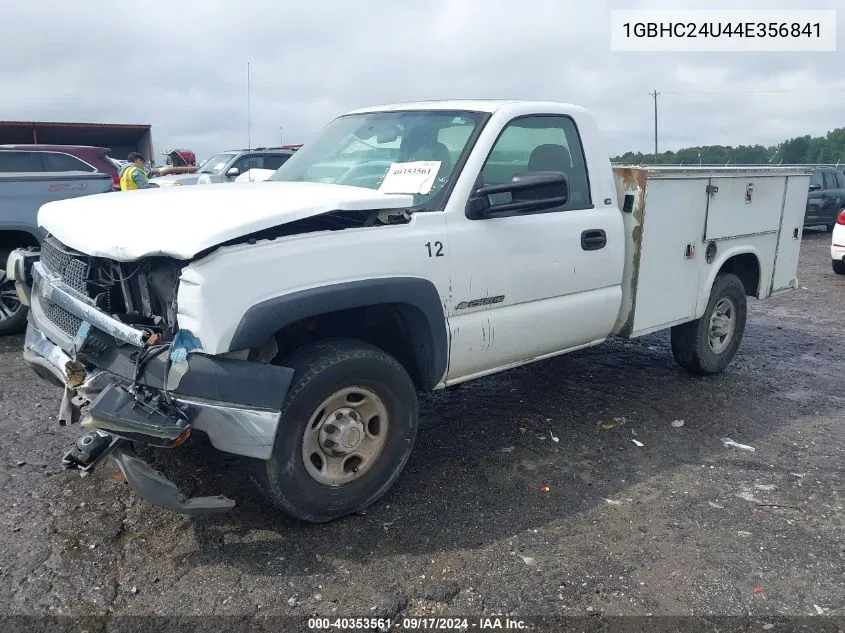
(690, 341)
(11, 322)
(829, 227)
(321, 369)
(838, 266)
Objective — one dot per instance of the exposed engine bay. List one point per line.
(141, 294)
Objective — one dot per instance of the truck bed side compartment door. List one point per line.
(789, 240)
(671, 253)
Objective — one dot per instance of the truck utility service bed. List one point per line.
(681, 220)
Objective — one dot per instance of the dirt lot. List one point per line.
(680, 525)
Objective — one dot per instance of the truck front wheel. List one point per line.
(346, 431)
(12, 313)
(708, 345)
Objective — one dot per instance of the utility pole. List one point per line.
(281, 135)
(654, 94)
(248, 111)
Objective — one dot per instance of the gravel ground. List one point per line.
(682, 525)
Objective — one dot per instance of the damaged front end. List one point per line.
(107, 333)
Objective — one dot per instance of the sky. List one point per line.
(182, 67)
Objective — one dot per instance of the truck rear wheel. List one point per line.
(346, 431)
(12, 313)
(708, 345)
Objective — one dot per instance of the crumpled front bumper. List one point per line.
(236, 403)
(49, 361)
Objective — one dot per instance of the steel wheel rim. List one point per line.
(722, 325)
(10, 305)
(345, 436)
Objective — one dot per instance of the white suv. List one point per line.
(227, 166)
(837, 245)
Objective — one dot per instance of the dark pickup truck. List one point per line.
(826, 198)
(21, 195)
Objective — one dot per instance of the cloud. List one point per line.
(182, 67)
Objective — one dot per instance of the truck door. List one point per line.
(815, 199)
(533, 284)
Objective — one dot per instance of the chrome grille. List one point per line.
(61, 318)
(76, 276)
(52, 258)
(73, 272)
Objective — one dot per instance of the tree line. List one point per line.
(828, 149)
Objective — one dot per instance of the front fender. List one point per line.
(428, 329)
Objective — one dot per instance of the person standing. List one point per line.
(133, 175)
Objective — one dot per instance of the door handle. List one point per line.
(593, 239)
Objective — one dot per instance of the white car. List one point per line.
(227, 166)
(255, 175)
(837, 245)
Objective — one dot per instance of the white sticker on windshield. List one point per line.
(414, 177)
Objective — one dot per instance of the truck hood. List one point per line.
(183, 221)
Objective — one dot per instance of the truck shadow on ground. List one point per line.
(484, 451)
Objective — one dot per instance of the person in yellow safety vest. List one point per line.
(133, 174)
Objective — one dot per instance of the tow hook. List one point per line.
(150, 484)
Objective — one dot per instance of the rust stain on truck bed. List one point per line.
(631, 177)
(634, 179)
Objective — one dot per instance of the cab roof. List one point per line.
(470, 105)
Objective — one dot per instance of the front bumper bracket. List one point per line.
(154, 487)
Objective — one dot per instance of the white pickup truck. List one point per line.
(407, 248)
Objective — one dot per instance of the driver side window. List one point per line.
(540, 143)
(829, 180)
(248, 162)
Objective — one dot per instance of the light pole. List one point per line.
(654, 94)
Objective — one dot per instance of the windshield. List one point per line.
(215, 164)
(419, 148)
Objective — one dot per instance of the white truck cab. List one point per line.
(407, 248)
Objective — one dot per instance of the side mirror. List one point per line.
(533, 191)
(815, 187)
(234, 171)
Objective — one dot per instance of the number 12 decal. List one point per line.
(434, 249)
